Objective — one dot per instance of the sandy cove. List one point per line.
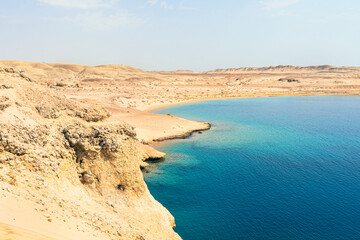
(58, 205)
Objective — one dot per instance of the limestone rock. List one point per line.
(87, 177)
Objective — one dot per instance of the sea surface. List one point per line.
(270, 168)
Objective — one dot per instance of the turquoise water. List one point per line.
(271, 168)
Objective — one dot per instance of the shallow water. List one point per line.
(271, 168)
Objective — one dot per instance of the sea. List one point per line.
(269, 168)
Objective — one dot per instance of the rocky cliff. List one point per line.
(74, 165)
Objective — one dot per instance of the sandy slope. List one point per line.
(21, 221)
(16, 233)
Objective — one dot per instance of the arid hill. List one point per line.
(120, 87)
(289, 69)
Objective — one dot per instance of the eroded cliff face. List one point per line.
(75, 164)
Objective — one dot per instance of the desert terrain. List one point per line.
(73, 140)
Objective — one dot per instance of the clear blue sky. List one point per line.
(182, 34)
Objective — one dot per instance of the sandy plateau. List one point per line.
(73, 140)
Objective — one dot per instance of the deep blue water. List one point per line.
(271, 168)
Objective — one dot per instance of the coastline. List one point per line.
(159, 106)
(186, 162)
(184, 135)
(187, 133)
(119, 103)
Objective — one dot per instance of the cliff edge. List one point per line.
(68, 172)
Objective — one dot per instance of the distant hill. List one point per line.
(288, 68)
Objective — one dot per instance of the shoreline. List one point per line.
(249, 96)
(185, 135)
(170, 169)
(189, 133)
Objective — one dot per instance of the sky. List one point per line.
(182, 34)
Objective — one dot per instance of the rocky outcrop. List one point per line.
(14, 71)
(102, 156)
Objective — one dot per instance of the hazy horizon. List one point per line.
(206, 70)
(182, 35)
